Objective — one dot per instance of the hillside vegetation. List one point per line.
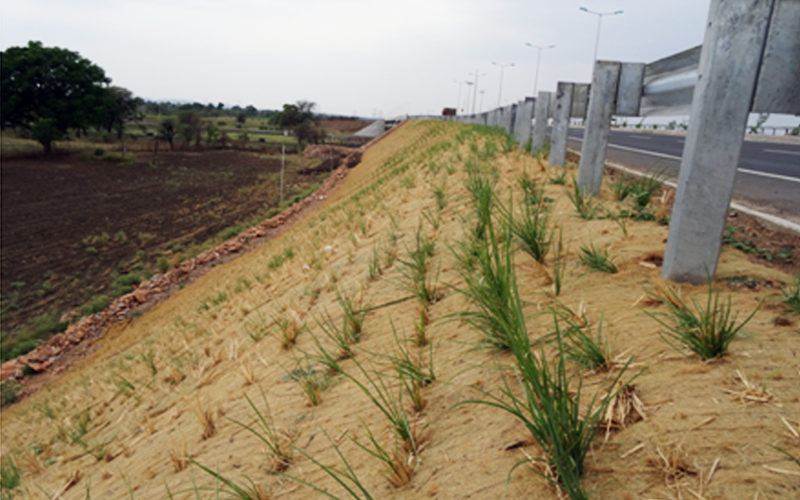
(372, 331)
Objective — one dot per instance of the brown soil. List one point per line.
(706, 431)
(764, 244)
(343, 125)
(69, 221)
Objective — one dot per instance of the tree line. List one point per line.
(48, 92)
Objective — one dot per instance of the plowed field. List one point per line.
(69, 222)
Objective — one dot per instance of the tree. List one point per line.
(167, 130)
(307, 132)
(306, 108)
(119, 107)
(295, 114)
(190, 126)
(49, 90)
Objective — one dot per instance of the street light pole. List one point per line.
(539, 48)
(502, 68)
(475, 94)
(458, 102)
(599, 22)
(469, 89)
(480, 110)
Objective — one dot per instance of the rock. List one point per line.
(140, 295)
(40, 367)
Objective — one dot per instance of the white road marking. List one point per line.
(782, 152)
(771, 176)
(678, 158)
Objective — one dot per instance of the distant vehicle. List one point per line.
(449, 112)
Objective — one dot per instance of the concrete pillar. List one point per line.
(723, 95)
(558, 137)
(602, 102)
(511, 118)
(517, 115)
(524, 118)
(540, 117)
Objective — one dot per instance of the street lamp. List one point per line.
(539, 48)
(458, 102)
(502, 68)
(466, 102)
(599, 20)
(480, 110)
(475, 94)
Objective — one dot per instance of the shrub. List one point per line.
(9, 390)
(122, 284)
(97, 304)
(14, 348)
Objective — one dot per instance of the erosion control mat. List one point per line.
(166, 414)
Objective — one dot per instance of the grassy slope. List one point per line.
(686, 400)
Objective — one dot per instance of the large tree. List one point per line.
(295, 114)
(49, 90)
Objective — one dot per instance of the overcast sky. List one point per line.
(365, 57)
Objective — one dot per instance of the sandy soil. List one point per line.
(109, 428)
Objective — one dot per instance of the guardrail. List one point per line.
(748, 62)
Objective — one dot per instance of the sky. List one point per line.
(371, 58)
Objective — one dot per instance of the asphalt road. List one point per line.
(768, 176)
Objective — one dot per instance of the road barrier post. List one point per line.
(723, 96)
(510, 118)
(602, 102)
(524, 119)
(540, 117)
(558, 136)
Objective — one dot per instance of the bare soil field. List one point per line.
(343, 125)
(73, 222)
(241, 385)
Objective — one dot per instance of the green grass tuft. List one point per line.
(597, 259)
(584, 202)
(706, 330)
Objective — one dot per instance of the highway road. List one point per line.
(768, 177)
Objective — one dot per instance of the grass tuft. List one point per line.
(279, 444)
(405, 430)
(791, 297)
(10, 476)
(251, 491)
(206, 419)
(346, 477)
(553, 410)
(590, 352)
(640, 190)
(597, 259)
(289, 326)
(531, 230)
(584, 202)
(488, 273)
(706, 330)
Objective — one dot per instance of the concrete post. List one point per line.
(517, 116)
(524, 118)
(558, 137)
(511, 118)
(602, 102)
(540, 117)
(732, 48)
